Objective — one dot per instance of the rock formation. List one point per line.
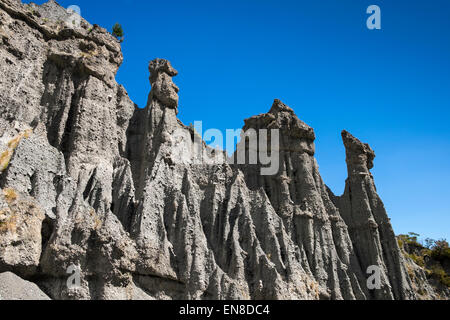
(90, 180)
(14, 288)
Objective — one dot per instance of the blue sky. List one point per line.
(389, 87)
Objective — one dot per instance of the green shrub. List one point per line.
(438, 273)
(410, 239)
(419, 260)
(400, 242)
(117, 31)
(440, 254)
(440, 250)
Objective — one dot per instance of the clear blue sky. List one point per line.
(389, 87)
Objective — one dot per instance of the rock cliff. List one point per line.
(90, 180)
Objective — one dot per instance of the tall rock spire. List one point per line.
(152, 126)
(163, 88)
(369, 226)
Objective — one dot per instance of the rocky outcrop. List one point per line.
(369, 226)
(428, 267)
(20, 233)
(100, 187)
(13, 287)
(58, 82)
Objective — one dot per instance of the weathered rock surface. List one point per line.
(20, 233)
(99, 186)
(13, 287)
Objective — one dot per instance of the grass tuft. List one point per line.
(6, 156)
(10, 194)
(7, 224)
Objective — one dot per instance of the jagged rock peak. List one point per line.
(161, 65)
(359, 155)
(279, 106)
(284, 118)
(355, 145)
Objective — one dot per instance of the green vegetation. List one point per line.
(429, 254)
(439, 273)
(440, 250)
(118, 32)
(410, 238)
(418, 259)
(33, 11)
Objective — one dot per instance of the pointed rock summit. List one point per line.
(281, 117)
(359, 155)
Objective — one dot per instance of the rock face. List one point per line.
(14, 288)
(20, 229)
(92, 183)
(369, 226)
